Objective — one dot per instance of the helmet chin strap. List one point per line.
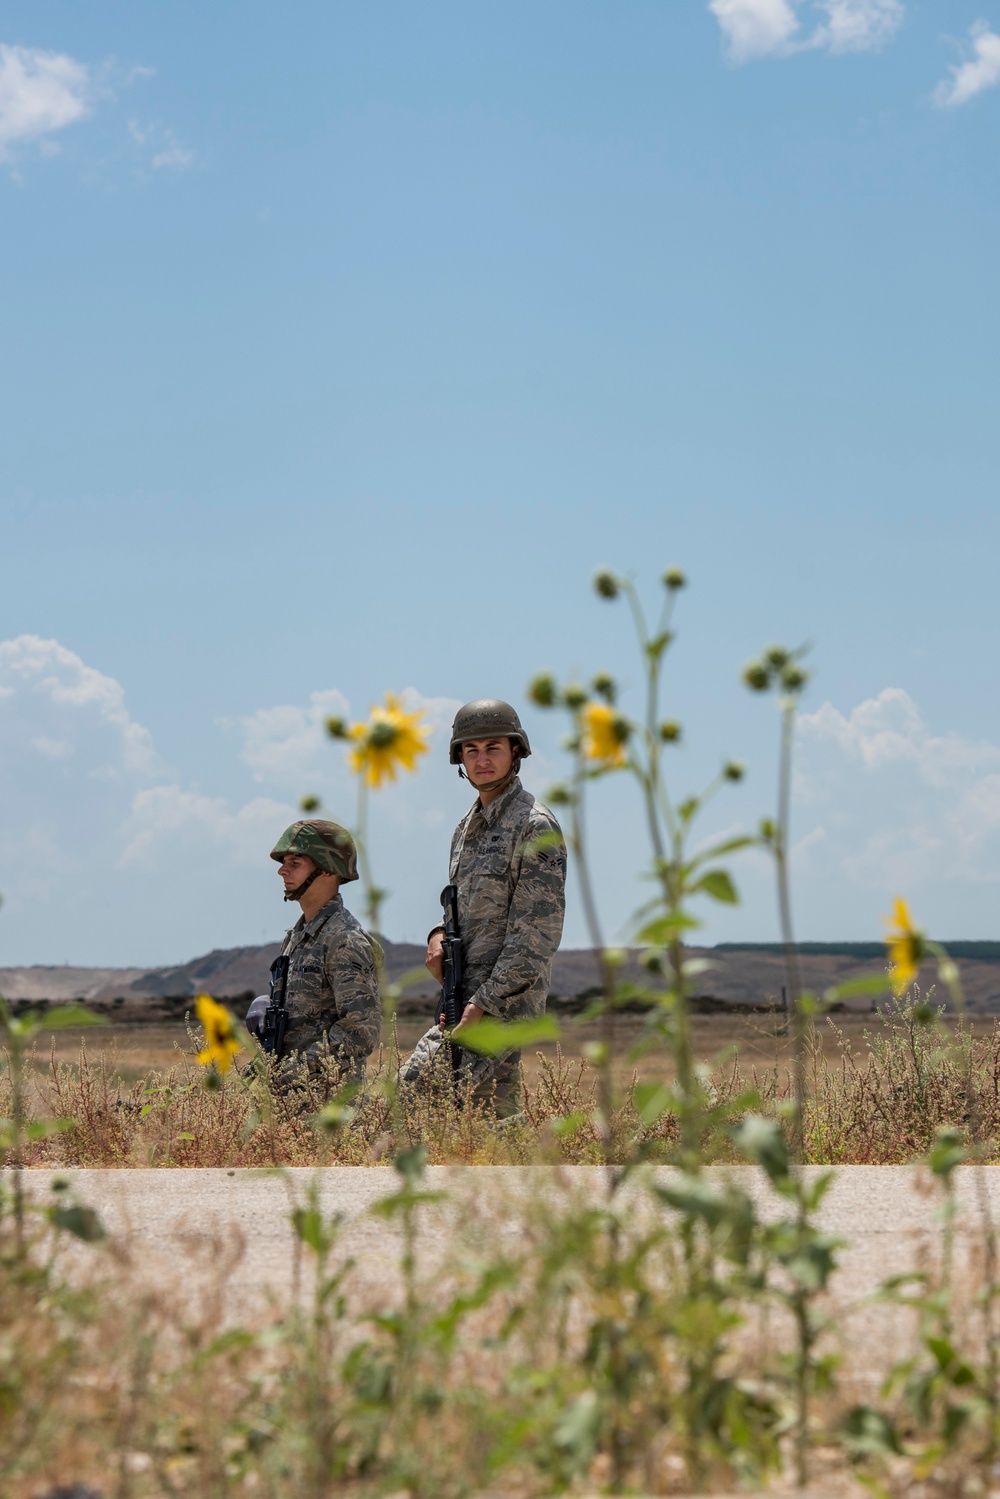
(500, 783)
(297, 894)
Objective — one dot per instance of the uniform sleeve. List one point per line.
(534, 922)
(353, 977)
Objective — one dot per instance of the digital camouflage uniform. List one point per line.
(511, 900)
(332, 995)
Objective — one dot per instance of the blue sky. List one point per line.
(342, 343)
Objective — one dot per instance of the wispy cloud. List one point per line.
(979, 72)
(755, 28)
(163, 150)
(774, 28)
(41, 93)
(104, 849)
(44, 93)
(892, 804)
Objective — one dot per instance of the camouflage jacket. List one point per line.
(511, 900)
(332, 995)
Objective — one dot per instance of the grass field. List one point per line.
(758, 1040)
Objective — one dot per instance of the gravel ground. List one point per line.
(221, 1233)
(181, 1226)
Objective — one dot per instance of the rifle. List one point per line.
(452, 957)
(276, 1015)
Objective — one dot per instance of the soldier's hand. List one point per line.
(435, 955)
(470, 1015)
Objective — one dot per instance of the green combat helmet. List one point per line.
(487, 718)
(330, 847)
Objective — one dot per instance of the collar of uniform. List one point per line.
(322, 915)
(492, 810)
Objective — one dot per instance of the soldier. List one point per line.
(334, 1010)
(511, 899)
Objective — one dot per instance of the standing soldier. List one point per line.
(511, 878)
(331, 992)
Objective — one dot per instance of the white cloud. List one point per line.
(288, 746)
(53, 749)
(174, 157)
(773, 28)
(107, 855)
(896, 805)
(164, 151)
(43, 93)
(50, 688)
(285, 745)
(202, 826)
(103, 852)
(40, 93)
(980, 72)
(857, 25)
(755, 28)
(888, 731)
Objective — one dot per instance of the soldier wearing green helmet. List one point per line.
(331, 992)
(508, 862)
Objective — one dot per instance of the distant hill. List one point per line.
(747, 974)
(987, 951)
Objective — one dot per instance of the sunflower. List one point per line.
(221, 1045)
(389, 739)
(906, 946)
(605, 735)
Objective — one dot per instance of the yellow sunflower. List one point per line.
(389, 739)
(905, 944)
(221, 1045)
(605, 735)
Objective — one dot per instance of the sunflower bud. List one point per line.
(336, 728)
(605, 687)
(542, 690)
(733, 770)
(776, 656)
(674, 579)
(559, 796)
(757, 676)
(575, 696)
(793, 678)
(606, 584)
(309, 804)
(670, 731)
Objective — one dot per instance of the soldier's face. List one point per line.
(294, 868)
(486, 759)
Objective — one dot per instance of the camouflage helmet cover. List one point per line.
(486, 718)
(330, 847)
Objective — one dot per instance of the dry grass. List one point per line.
(135, 1048)
(600, 1346)
(880, 1086)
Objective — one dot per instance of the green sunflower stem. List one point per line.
(373, 895)
(793, 975)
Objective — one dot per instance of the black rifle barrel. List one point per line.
(276, 1015)
(451, 988)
